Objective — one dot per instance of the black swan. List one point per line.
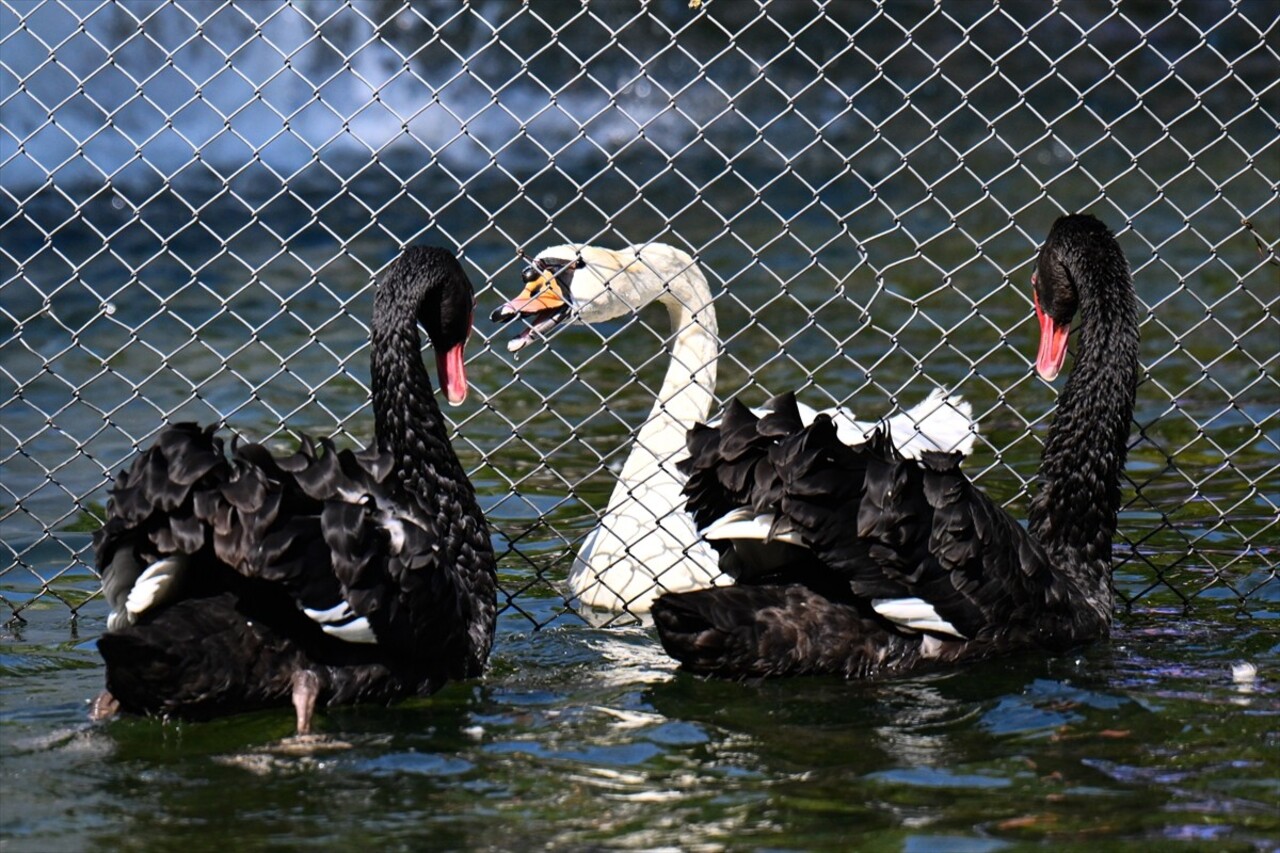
(329, 576)
(863, 563)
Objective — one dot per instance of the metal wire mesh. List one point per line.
(200, 194)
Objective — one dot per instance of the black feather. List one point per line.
(878, 526)
(392, 533)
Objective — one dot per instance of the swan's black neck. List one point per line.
(408, 422)
(428, 286)
(1073, 515)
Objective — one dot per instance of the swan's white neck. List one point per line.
(645, 541)
(688, 389)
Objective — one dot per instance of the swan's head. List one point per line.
(586, 284)
(1078, 247)
(427, 283)
(547, 298)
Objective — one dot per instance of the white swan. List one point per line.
(645, 543)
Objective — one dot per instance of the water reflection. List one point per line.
(583, 737)
(917, 735)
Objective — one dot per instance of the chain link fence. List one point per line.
(198, 197)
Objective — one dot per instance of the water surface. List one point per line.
(585, 737)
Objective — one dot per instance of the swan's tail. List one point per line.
(198, 658)
(783, 630)
(764, 631)
(713, 635)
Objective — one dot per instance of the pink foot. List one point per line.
(306, 690)
(104, 707)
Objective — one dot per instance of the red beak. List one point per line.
(1053, 343)
(453, 374)
(452, 371)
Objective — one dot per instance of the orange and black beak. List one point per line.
(545, 301)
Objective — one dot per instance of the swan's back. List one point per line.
(258, 566)
(859, 561)
(915, 563)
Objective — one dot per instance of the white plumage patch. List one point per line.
(156, 585)
(743, 523)
(123, 565)
(914, 614)
(356, 631)
(938, 422)
(341, 621)
(338, 613)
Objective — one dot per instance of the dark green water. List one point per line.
(583, 737)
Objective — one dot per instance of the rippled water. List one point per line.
(582, 737)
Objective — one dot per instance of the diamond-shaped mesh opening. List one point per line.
(199, 196)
